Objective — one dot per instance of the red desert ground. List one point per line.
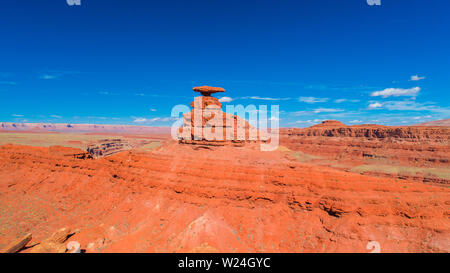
(327, 188)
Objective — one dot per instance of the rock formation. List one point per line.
(413, 147)
(107, 147)
(81, 128)
(442, 122)
(207, 124)
(208, 90)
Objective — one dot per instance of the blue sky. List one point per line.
(130, 62)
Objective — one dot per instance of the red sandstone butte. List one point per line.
(207, 124)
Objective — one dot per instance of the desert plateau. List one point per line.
(328, 188)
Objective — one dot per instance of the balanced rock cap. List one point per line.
(208, 90)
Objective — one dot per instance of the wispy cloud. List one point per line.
(56, 116)
(310, 121)
(414, 106)
(312, 99)
(264, 98)
(55, 74)
(140, 120)
(17, 116)
(153, 110)
(94, 117)
(146, 120)
(396, 92)
(416, 78)
(316, 111)
(48, 77)
(225, 99)
(327, 110)
(345, 100)
(375, 105)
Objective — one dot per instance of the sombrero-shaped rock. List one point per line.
(208, 90)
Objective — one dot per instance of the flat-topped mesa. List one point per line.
(330, 123)
(207, 124)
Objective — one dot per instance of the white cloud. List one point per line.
(16, 115)
(153, 110)
(55, 116)
(140, 120)
(301, 113)
(310, 121)
(47, 77)
(414, 106)
(312, 99)
(160, 119)
(375, 105)
(103, 93)
(344, 100)
(327, 110)
(416, 78)
(93, 117)
(317, 111)
(396, 92)
(225, 99)
(264, 98)
(54, 74)
(355, 121)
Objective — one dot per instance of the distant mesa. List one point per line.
(330, 123)
(82, 128)
(442, 122)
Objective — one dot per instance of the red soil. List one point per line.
(181, 198)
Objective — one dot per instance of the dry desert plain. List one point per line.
(328, 188)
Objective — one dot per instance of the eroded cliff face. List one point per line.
(331, 128)
(415, 146)
(225, 199)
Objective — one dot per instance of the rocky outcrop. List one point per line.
(370, 131)
(207, 124)
(107, 147)
(351, 146)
